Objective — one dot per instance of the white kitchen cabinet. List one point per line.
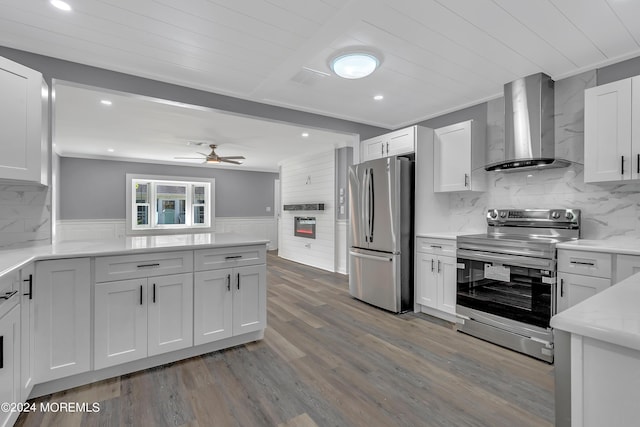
(626, 266)
(391, 144)
(435, 280)
(137, 318)
(27, 333)
(62, 292)
(574, 288)
(24, 152)
(249, 299)
(612, 131)
(456, 159)
(9, 361)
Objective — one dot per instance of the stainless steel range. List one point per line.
(506, 286)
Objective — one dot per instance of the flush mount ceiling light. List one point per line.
(59, 4)
(354, 65)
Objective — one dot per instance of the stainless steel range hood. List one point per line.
(529, 128)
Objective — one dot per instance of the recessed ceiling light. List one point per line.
(378, 97)
(105, 102)
(305, 134)
(59, 4)
(354, 65)
(111, 150)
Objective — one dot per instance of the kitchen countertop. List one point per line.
(619, 245)
(451, 235)
(611, 316)
(13, 259)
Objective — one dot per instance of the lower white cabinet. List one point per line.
(436, 273)
(138, 318)
(574, 288)
(62, 318)
(27, 333)
(228, 302)
(626, 266)
(10, 363)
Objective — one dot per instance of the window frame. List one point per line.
(190, 183)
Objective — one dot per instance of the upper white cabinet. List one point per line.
(612, 131)
(457, 159)
(62, 293)
(391, 144)
(24, 154)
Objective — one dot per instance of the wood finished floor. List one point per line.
(326, 360)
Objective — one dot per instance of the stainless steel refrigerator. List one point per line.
(381, 237)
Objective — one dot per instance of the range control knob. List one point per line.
(569, 216)
(493, 214)
(555, 214)
(503, 214)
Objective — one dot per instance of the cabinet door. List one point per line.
(22, 110)
(212, 310)
(120, 322)
(447, 277)
(10, 369)
(635, 132)
(607, 132)
(400, 142)
(627, 266)
(452, 157)
(27, 334)
(62, 318)
(574, 288)
(170, 313)
(249, 299)
(427, 280)
(372, 149)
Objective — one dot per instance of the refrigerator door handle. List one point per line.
(373, 257)
(365, 205)
(372, 208)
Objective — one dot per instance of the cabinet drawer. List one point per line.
(212, 259)
(436, 246)
(595, 264)
(145, 265)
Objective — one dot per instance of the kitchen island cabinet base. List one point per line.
(66, 383)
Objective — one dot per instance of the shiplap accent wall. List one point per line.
(260, 227)
(25, 215)
(309, 179)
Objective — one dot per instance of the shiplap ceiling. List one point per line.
(438, 55)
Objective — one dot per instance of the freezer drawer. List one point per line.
(375, 278)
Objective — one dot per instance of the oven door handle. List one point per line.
(515, 260)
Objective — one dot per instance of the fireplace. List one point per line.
(304, 226)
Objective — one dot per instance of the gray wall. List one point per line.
(477, 113)
(618, 71)
(95, 189)
(53, 68)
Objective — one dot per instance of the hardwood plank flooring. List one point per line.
(326, 360)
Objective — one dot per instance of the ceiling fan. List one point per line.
(214, 158)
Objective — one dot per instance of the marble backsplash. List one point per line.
(25, 215)
(608, 210)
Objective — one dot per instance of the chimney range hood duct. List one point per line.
(529, 128)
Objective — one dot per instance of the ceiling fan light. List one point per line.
(354, 65)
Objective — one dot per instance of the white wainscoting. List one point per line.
(86, 229)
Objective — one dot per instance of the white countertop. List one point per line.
(617, 245)
(612, 315)
(16, 258)
(451, 235)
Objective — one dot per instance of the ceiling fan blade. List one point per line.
(233, 157)
(225, 159)
(188, 158)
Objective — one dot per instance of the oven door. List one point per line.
(514, 287)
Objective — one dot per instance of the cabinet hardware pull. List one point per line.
(561, 288)
(382, 149)
(30, 280)
(436, 246)
(439, 266)
(8, 295)
(638, 164)
(1, 351)
(233, 257)
(432, 265)
(387, 148)
(140, 294)
(592, 264)
(238, 281)
(229, 282)
(149, 265)
(622, 165)
(154, 293)
(466, 180)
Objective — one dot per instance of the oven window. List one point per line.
(518, 293)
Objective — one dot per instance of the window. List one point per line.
(169, 204)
